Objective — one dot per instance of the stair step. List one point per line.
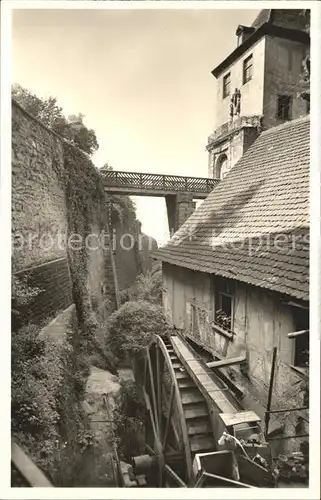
(202, 442)
(173, 356)
(182, 375)
(195, 411)
(198, 426)
(141, 480)
(191, 396)
(177, 365)
(185, 383)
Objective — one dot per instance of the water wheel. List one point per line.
(178, 423)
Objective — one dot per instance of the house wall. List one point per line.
(277, 68)
(234, 147)
(251, 92)
(282, 69)
(261, 322)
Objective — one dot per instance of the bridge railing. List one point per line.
(158, 182)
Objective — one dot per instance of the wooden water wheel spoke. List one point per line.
(151, 378)
(171, 402)
(175, 476)
(149, 409)
(167, 427)
(159, 373)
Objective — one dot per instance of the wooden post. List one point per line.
(268, 408)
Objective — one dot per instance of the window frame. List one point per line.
(247, 78)
(226, 78)
(289, 107)
(226, 289)
(296, 354)
(301, 325)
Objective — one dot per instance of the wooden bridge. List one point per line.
(141, 184)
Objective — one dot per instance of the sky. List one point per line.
(142, 78)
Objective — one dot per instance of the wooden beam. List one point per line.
(297, 334)
(226, 362)
(28, 469)
(240, 417)
(175, 476)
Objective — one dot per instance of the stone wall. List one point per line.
(179, 208)
(44, 217)
(57, 191)
(38, 196)
(53, 280)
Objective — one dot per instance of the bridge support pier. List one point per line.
(179, 208)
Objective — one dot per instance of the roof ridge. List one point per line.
(287, 124)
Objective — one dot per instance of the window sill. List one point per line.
(223, 332)
(304, 372)
(247, 81)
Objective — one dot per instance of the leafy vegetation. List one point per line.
(131, 328)
(128, 420)
(50, 114)
(22, 294)
(48, 384)
(147, 287)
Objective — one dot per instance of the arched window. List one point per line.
(221, 166)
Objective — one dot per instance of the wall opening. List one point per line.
(221, 166)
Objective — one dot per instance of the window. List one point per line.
(301, 341)
(284, 106)
(308, 106)
(224, 305)
(226, 85)
(221, 166)
(247, 69)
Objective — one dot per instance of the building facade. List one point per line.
(236, 276)
(258, 85)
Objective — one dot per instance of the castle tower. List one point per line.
(258, 84)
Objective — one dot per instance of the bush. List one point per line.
(131, 328)
(48, 384)
(147, 287)
(128, 420)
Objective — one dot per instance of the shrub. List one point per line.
(128, 420)
(147, 287)
(131, 328)
(48, 384)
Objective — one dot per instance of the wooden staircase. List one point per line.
(195, 408)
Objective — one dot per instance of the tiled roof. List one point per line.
(254, 226)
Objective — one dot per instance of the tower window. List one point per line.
(308, 106)
(284, 107)
(247, 69)
(221, 166)
(226, 85)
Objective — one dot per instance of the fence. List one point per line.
(158, 182)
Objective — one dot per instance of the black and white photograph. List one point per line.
(161, 202)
